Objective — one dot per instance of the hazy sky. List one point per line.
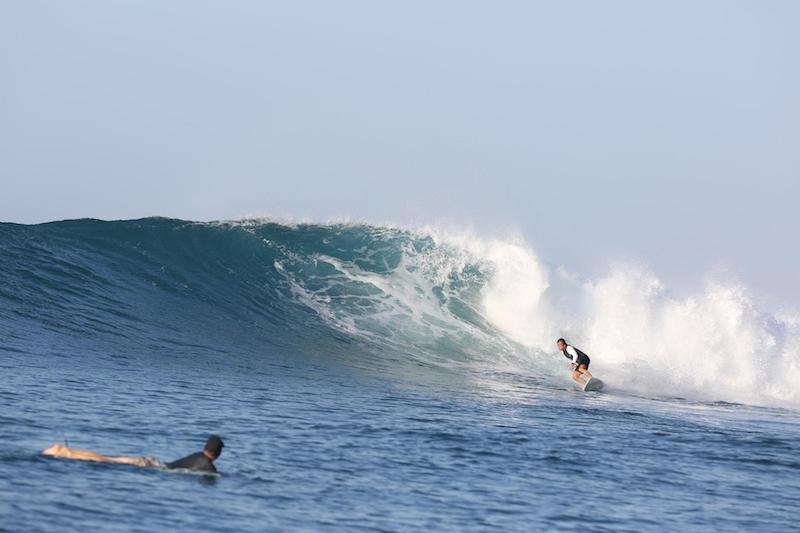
(666, 132)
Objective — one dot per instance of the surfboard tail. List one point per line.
(594, 384)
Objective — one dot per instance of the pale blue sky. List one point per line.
(666, 132)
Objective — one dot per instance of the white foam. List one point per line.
(716, 345)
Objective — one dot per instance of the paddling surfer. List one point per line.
(202, 461)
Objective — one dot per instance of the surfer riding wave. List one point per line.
(579, 361)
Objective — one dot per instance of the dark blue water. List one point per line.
(341, 408)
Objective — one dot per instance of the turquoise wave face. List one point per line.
(381, 298)
(356, 291)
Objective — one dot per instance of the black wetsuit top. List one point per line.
(582, 358)
(197, 461)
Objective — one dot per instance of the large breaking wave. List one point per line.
(380, 296)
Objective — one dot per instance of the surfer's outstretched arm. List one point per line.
(64, 452)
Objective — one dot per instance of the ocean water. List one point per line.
(373, 378)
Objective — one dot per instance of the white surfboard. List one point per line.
(594, 384)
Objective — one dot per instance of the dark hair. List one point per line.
(561, 340)
(214, 445)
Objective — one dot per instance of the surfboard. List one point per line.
(594, 384)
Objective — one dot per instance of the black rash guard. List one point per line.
(197, 461)
(576, 356)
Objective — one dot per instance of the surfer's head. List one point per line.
(562, 344)
(214, 446)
